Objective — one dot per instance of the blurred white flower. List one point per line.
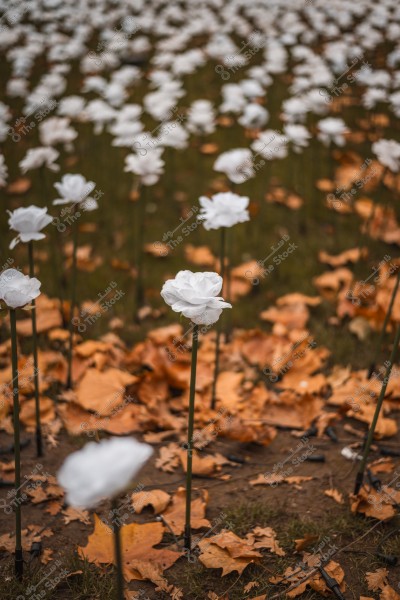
(236, 164)
(271, 145)
(195, 296)
(388, 153)
(36, 158)
(17, 289)
(74, 189)
(223, 210)
(102, 470)
(28, 222)
(148, 165)
(332, 130)
(201, 117)
(254, 116)
(3, 171)
(56, 130)
(298, 135)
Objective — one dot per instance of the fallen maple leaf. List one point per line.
(158, 499)
(228, 552)
(175, 512)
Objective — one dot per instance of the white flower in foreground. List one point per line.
(388, 153)
(3, 172)
(28, 222)
(148, 167)
(73, 189)
(236, 164)
(17, 289)
(39, 157)
(332, 130)
(201, 117)
(223, 210)
(102, 470)
(195, 296)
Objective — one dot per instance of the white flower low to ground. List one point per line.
(102, 470)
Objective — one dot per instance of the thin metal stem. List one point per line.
(393, 356)
(219, 324)
(118, 554)
(188, 535)
(39, 441)
(73, 299)
(19, 564)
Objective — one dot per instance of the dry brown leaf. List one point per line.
(103, 391)
(140, 559)
(175, 512)
(335, 495)
(377, 580)
(158, 499)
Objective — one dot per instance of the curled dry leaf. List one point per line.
(228, 552)
(335, 495)
(158, 499)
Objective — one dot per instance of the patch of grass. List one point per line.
(247, 515)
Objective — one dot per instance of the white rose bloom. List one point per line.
(102, 470)
(236, 164)
(17, 289)
(172, 134)
(28, 222)
(73, 189)
(201, 117)
(223, 210)
(332, 130)
(148, 167)
(388, 153)
(39, 157)
(195, 296)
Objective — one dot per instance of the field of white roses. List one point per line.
(200, 317)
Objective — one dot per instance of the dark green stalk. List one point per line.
(219, 324)
(19, 563)
(140, 224)
(384, 326)
(188, 535)
(73, 297)
(39, 442)
(363, 464)
(118, 554)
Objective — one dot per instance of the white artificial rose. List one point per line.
(17, 289)
(73, 189)
(223, 210)
(332, 130)
(28, 222)
(236, 164)
(195, 295)
(102, 470)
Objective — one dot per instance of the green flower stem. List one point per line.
(188, 535)
(118, 555)
(19, 564)
(140, 224)
(39, 442)
(219, 324)
(384, 326)
(227, 275)
(73, 298)
(363, 464)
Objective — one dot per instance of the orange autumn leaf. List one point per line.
(103, 391)
(158, 499)
(138, 552)
(335, 495)
(175, 512)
